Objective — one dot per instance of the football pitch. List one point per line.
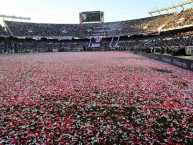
(94, 98)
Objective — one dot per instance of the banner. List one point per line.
(180, 62)
(65, 38)
(96, 45)
(98, 39)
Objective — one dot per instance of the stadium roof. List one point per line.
(181, 4)
(15, 17)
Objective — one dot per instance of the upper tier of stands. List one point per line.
(79, 30)
(158, 23)
(129, 27)
(185, 17)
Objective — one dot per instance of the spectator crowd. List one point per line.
(2, 31)
(76, 34)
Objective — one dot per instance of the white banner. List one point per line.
(95, 45)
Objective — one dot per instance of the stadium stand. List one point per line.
(158, 22)
(36, 29)
(183, 18)
(167, 40)
(2, 31)
(77, 30)
(168, 30)
(112, 29)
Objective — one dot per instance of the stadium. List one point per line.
(100, 83)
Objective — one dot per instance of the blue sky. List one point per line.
(67, 11)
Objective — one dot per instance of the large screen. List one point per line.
(94, 16)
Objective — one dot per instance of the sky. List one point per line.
(67, 11)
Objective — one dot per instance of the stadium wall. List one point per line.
(179, 62)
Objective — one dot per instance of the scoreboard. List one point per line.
(92, 16)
